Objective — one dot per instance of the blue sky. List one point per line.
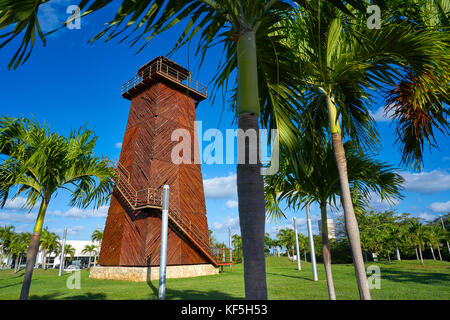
(69, 83)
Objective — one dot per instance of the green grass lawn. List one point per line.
(399, 280)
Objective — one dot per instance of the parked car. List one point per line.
(71, 268)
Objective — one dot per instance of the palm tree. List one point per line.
(69, 250)
(434, 236)
(268, 242)
(419, 234)
(6, 234)
(287, 239)
(97, 237)
(90, 248)
(18, 247)
(302, 244)
(48, 244)
(237, 243)
(336, 66)
(245, 28)
(310, 176)
(39, 163)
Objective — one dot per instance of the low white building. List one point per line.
(79, 258)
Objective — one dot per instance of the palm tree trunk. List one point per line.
(432, 252)
(1, 256)
(439, 251)
(420, 254)
(351, 224)
(44, 263)
(16, 261)
(326, 252)
(398, 253)
(33, 250)
(417, 253)
(250, 183)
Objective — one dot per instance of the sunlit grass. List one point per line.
(399, 280)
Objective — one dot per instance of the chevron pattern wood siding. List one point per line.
(132, 238)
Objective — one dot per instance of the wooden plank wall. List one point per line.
(133, 238)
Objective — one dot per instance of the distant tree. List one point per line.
(90, 249)
(6, 235)
(69, 250)
(237, 244)
(39, 163)
(419, 236)
(303, 243)
(48, 244)
(287, 239)
(97, 237)
(435, 236)
(268, 243)
(212, 238)
(18, 247)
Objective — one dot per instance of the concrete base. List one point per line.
(141, 274)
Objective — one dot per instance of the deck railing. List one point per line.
(161, 67)
(152, 197)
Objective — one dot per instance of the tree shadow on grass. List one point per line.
(288, 276)
(58, 296)
(172, 294)
(419, 277)
(11, 285)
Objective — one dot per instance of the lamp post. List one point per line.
(299, 265)
(61, 259)
(311, 244)
(163, 255)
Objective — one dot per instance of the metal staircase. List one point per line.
(152, 198)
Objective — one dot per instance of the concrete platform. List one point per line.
(141, 274)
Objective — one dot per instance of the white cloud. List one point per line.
(440, 207)
(221, 187)
(118, 145)
(230, 222)
(427, 216)
(12, 217)
(82, 213)
(232, 204)
(427, 182)
(53, 13)
(381, 116)
(73, 230)
(16, 203)
(376, 203)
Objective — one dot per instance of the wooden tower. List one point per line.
(163, 98)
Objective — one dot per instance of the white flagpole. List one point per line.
(163, 255)
(311, 244)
